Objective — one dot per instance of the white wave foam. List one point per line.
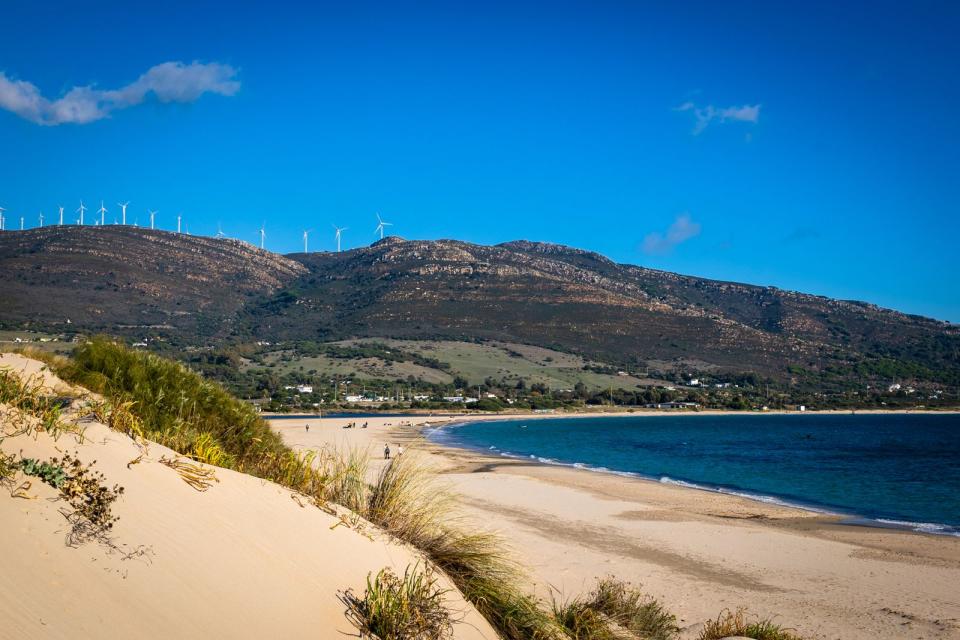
(922, 527)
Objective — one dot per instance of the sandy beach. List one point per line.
(697, 551)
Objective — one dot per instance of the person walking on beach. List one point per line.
(399, 450)
(386, 452)
(307, 427)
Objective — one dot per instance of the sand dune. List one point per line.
(240, 560)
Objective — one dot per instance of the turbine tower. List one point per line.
(153, 215)
(61, 214)
(339, 233)
(263, 234)
(41, 219)
(123, 207)
(102, 211)
(80, 210)
(381, 226)
(220, 233)
(179, 217)
(1, 218)
(305, 234)
(21, 223)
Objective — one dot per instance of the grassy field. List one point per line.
(511, 361)
(370, 368)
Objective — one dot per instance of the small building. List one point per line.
(672, 405)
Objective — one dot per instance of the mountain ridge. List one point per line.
(196, 290)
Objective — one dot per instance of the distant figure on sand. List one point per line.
(307, 427)
(399, 450)
(386, 452)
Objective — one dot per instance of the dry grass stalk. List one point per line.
(193, 474)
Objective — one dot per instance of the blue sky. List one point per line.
(810, 147)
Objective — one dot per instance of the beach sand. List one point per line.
(698, 552)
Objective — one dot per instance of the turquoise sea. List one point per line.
(897, 470)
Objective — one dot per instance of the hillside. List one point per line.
(129, 279)
(194, 290)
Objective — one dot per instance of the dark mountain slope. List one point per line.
(114, 278)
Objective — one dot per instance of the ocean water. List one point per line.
(889, 470)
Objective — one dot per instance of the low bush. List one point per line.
(90, 498)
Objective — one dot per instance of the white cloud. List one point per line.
(705, 115)
(168, 82)
(682, 229)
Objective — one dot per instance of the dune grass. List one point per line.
(407, 502)
(394, 608)
(29, 398)
(736, 623)
(615, 610)
(175, 406)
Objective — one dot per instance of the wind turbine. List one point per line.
(179, 217)
(1, 218)
(263, 234)
(21, 223)
(61, 214)
(339, 232)
(381, 226)
(81, 209)
(41, 219)
(102, 211)
(220, 233)
(123, 207)
(153, 215)
(305, 234)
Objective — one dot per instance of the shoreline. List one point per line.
(836, 514)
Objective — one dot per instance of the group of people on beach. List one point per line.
(350, 425)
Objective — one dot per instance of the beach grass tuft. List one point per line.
(729, 624)
(615, 610)
(394, 608)
(29, 397)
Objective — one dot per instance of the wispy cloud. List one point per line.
(705, 115)
(168, 82)
(682, 229)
